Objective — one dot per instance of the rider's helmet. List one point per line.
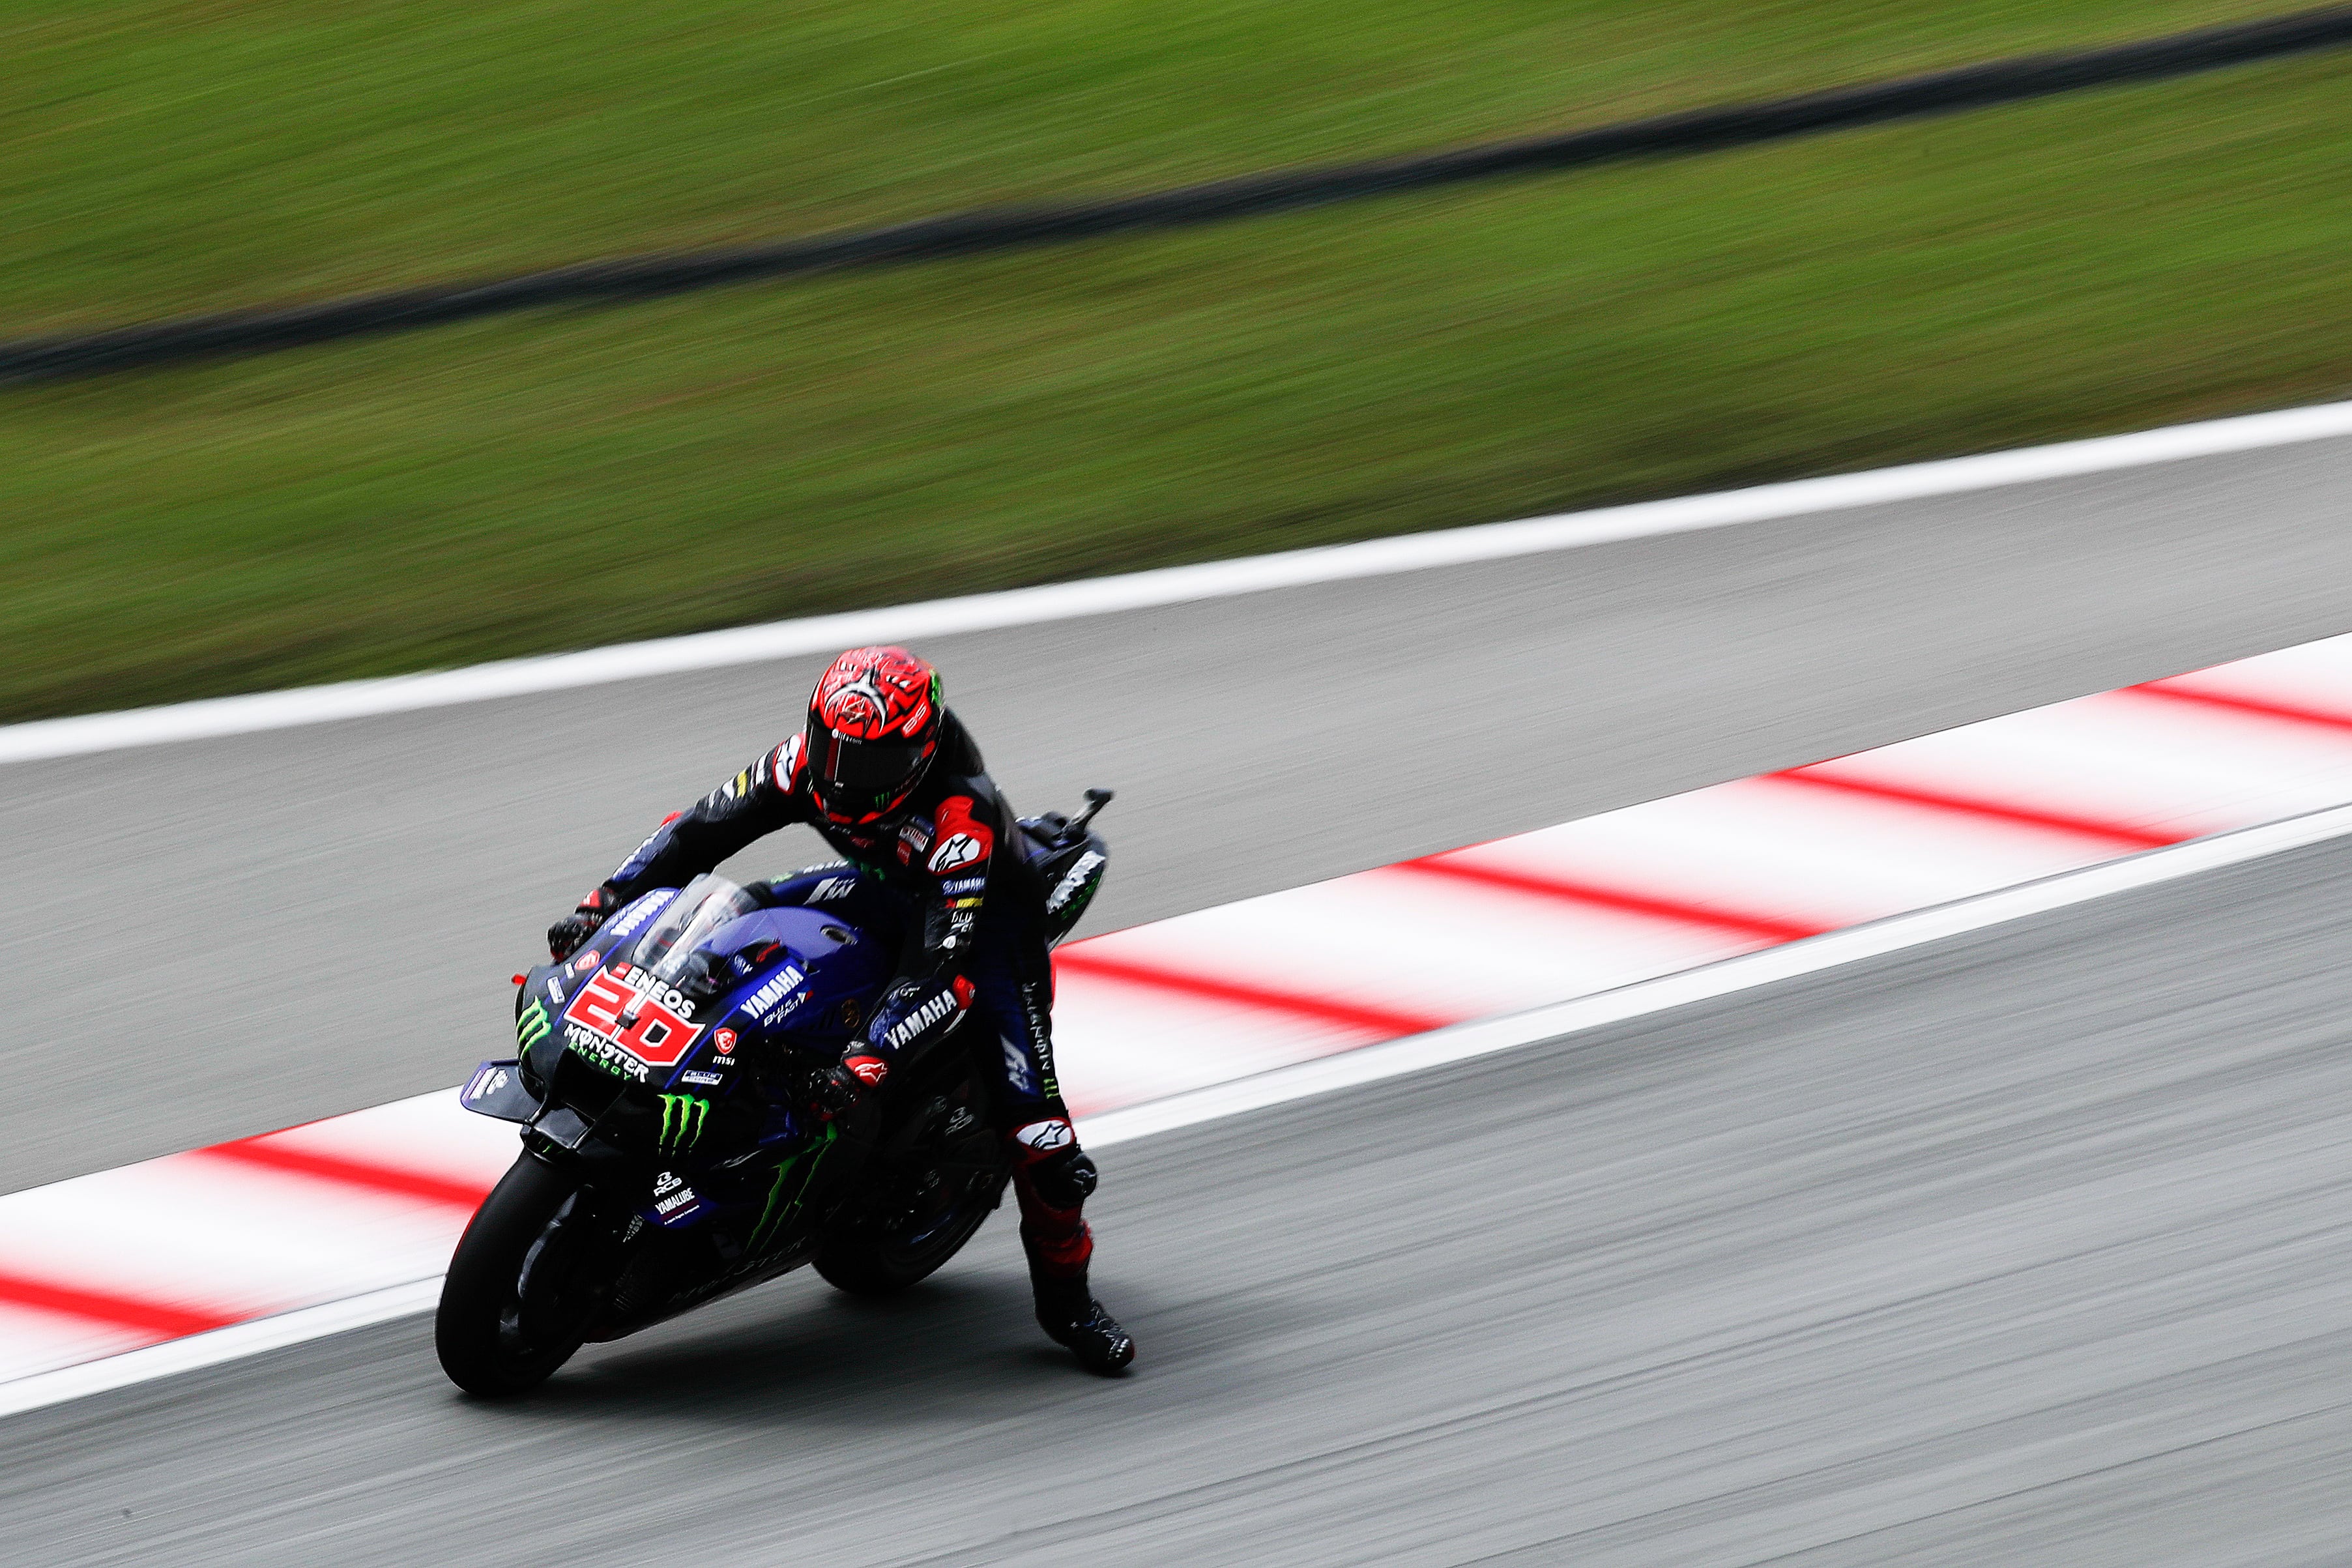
(873, 729)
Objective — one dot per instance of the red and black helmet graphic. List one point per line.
(873, 728)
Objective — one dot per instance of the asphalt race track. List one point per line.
(2031, 1247)
(272, 928)
(2023, 1247)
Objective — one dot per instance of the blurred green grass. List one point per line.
(159, 156)
(2091, 263)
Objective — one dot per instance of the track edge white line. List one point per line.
(211, 718)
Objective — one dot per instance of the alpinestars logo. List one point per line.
(956, 851)
(921, 1018)
(1047, 1136)
(683, 1115)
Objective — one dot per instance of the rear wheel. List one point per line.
(516, 1303)
(942, 1185)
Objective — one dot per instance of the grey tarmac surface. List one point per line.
(2033, 1247)
(231, 936)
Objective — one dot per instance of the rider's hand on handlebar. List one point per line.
(565, 936)
(845, 1084)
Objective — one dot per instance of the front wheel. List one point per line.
(513, 1308)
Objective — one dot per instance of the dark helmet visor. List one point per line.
(861, 767)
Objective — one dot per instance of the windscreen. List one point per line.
(700, 908)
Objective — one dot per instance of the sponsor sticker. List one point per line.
(956, 851)
(1078, 875)
(702, 1078)
(598, 1051)
(635, 916)
(1047, 1136)
(724, 1039)
(770, 998)
(921, 1018)
(586, 961)
(683, 1119)
(830, 889)
(636, 1013)
(1016, 1069)
(964, 842)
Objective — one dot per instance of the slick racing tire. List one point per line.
(885, 1260)
(513, 1306)
(940, 1174)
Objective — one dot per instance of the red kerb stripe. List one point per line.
(1997, 811)
(1386, 1022)
(1765, 927)
(2254, 705)
(158, 1319)
(348, 1172)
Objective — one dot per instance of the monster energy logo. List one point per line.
(531, 1025)
(682, 1119)
(780, 1210)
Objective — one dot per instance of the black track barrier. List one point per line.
(1004, 228)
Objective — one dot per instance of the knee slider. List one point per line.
(1066, 1180)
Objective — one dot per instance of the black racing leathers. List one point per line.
(948, 868)
(951, 857)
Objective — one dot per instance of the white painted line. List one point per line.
(1349, 1070)
(1170, 586)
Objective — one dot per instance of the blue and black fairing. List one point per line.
(766, 985)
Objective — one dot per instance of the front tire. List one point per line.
(509, 1312)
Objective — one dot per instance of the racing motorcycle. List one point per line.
(673, 1148)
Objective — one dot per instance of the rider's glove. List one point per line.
(845, 1085)
(566, 935)
(1065, 1180)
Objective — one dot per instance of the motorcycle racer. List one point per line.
(893, 783)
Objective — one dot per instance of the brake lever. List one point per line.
(1076, 827)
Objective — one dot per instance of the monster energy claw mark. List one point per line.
(772, 1217)
(531, 1025)
(682, 1119)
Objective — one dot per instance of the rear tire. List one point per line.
(884, 1262)
(490, 1341)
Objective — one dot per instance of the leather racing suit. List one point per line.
(948, 864)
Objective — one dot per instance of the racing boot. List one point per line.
(1053, 1180)
(1070, 1316)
